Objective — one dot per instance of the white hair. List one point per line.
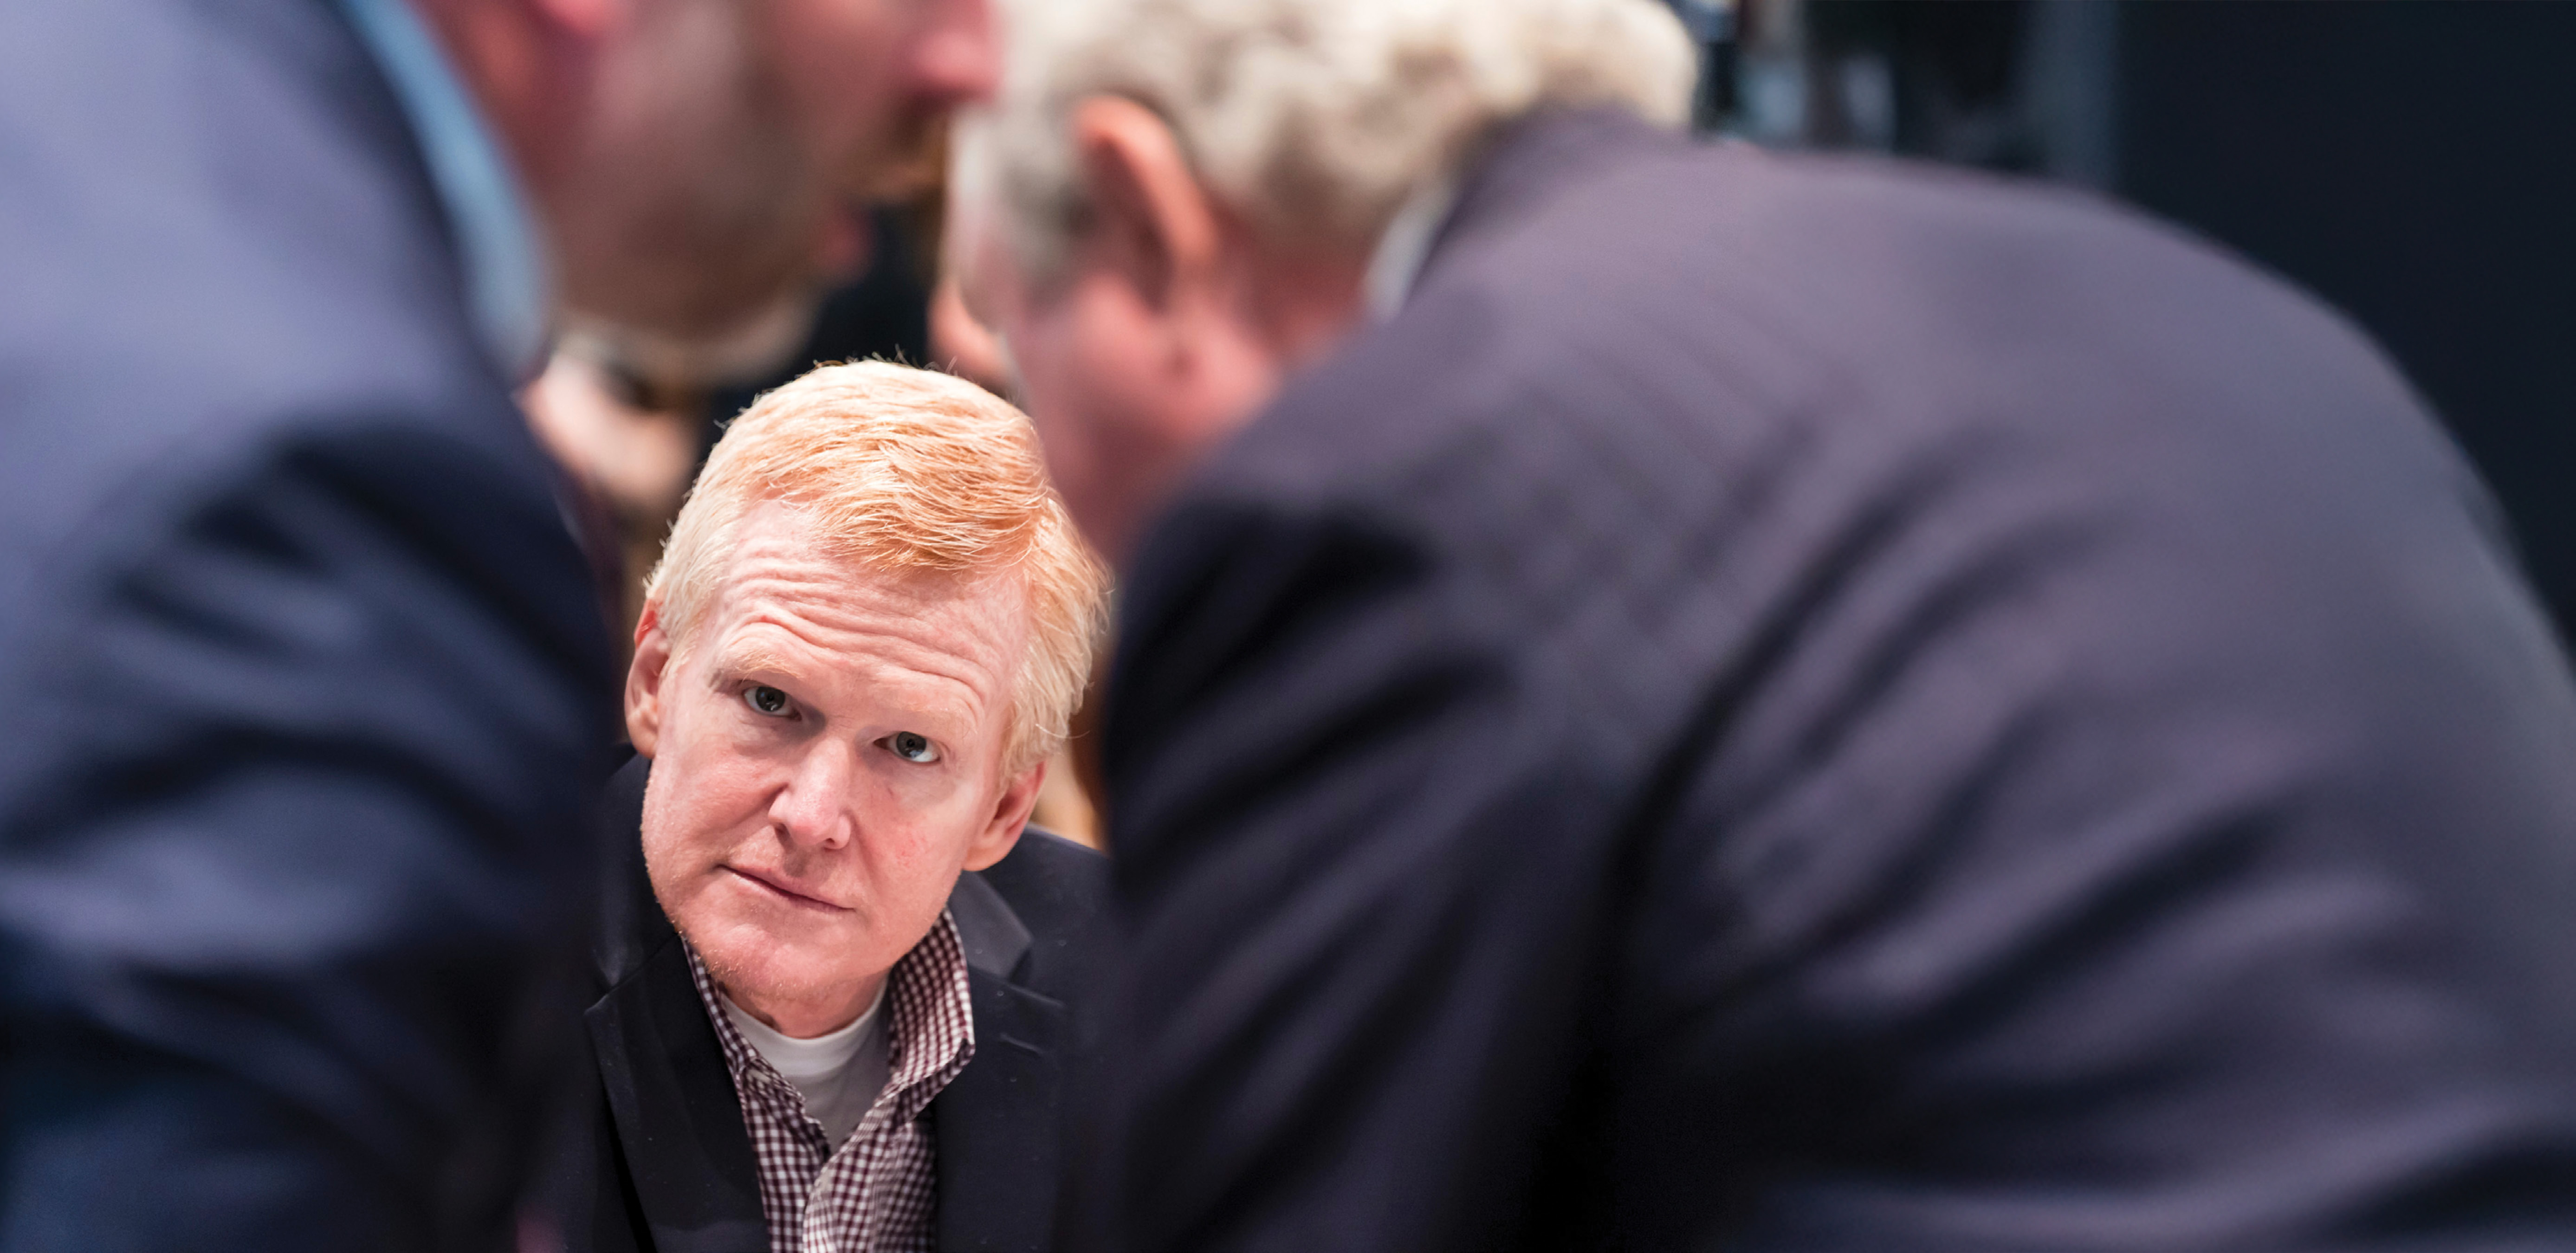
(1313, 119)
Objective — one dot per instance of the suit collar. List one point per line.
(1529, 160)
(992, 932)
(1405, 245)
(996, 1124)
(678, 1122)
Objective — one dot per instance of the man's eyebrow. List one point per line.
(756, 657)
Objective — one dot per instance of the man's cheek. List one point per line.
(1054, 409)
(686, 861)
(934, 847)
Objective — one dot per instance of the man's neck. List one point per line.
(804, 1018)
(1299, 303)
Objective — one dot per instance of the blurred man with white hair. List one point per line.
(1672, 697)
(306, 685)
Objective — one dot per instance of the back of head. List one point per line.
(902, 472)
(1313, 119)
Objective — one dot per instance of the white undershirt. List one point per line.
(840, 1075)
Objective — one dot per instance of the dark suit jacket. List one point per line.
(303, 684)
(662, 1161)
(1800, 704)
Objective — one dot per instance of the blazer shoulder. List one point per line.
(1059, 892)
(1053, 883)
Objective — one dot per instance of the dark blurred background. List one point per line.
(2414, 162)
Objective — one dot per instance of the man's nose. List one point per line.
(958, 59)
(813, 809)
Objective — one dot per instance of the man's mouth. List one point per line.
(783, 892)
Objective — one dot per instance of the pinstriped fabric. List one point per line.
(875, 1193)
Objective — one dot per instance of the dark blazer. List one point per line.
(661, 1161)
(1812, 705)
(304, 688)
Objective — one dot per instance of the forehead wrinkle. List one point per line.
(926, 674)
(883, 623)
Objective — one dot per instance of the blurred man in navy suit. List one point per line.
(302, 679)
(1676, 698)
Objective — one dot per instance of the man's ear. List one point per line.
(1010, 813)
(1151, 222)
(644, 678)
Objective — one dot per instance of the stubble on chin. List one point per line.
(726, 959)
(705, 209)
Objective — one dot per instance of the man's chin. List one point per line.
(741, 350)
(766, 968)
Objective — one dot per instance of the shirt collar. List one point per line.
(1405, 245)
(801, 1060)
(507, 292)
(928, 1002)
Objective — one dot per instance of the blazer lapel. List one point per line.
(678, 1120)
(995, 1123)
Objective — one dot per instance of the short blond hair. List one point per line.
(1311, 118)
(903, 471)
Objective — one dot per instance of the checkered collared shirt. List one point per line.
(876, 1193)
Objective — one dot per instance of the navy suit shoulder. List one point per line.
(1789, 703)
(1060, 890)
(304, 679)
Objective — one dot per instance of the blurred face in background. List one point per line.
(1167, 326)
(727, 146)
(1093, 372)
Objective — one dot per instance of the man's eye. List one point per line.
(765, 699)
(911, 747)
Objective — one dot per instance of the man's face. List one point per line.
(1166, 327)
(827, 756)
(1127, 388)
(1084, 356)
(733, 142)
